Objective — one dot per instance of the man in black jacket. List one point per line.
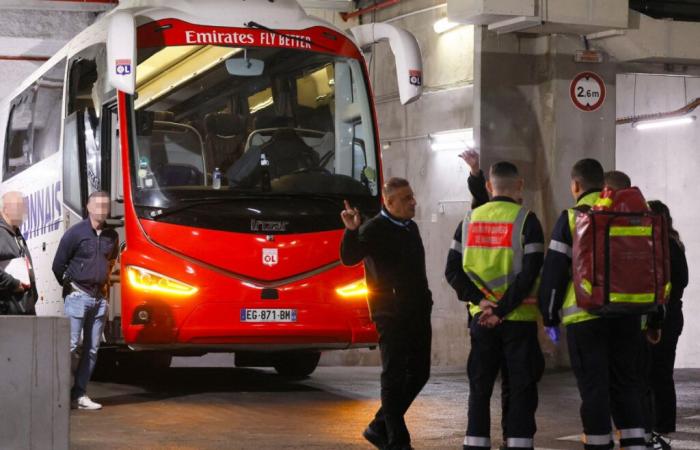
(83, 263)
(400, 304)
(16, 296)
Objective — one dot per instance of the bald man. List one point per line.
(17, 295)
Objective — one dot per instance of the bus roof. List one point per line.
(279, 14)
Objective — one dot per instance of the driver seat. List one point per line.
(287, 153)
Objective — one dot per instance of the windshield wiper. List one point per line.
(335, 199)
(194, 202)
(253, 24)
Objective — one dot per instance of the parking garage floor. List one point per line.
(189, 407)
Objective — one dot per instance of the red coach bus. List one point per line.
(228, 134)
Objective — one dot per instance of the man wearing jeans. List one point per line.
(83, 262)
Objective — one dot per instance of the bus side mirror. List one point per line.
(121, 52)
(409, 63)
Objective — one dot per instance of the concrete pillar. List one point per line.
(34, 383)
(523, 113)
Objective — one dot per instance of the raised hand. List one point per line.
(351, 217)
(471, 157)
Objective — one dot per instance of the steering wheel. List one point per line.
(312, 169)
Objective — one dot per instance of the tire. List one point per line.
(297, 364)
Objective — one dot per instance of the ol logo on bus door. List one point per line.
(269, 257)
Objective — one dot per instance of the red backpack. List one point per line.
(620, 261)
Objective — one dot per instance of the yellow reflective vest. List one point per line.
(493, 254)
(571, 313)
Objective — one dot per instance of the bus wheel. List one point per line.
(297, 364)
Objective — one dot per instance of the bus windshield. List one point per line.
(215, 122)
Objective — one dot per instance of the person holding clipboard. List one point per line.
(18, 293)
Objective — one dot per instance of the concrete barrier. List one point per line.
(34, 383)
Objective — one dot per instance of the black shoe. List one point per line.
(660, 442)
(375, 438)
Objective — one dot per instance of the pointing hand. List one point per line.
(351, 217)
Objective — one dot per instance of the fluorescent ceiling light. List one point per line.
(661, 123)
(452, 140)
(262, 105)
(444, 25)
(515, 24)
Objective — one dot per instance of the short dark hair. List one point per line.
(503, 175)
(589, 174)
(392, 184)
(617, 180)
(97, 194)
(504, 169)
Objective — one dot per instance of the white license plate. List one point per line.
(268, 315)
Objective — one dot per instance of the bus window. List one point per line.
(47, 112)
(83, 171)
(93, 156)
(303, 126)
(35, 122)
(116, 152)
(74, 195)
(18, 155)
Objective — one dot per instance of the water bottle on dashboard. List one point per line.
(216, 179)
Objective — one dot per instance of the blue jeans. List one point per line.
(87, 316)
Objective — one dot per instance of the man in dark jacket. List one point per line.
(17, 296)
(400, 304)
(83, 263)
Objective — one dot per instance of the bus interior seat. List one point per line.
(319, 119)
(287, 152)
(168, 173)
(225, 138)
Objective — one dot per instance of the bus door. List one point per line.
(91, 154)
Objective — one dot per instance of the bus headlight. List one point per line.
(357, 289)
(149, 281)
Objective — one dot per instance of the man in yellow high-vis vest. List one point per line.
(603, 352)
(503, 254)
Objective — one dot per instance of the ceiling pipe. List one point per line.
(690, 107)
(24, 58)
(377, 6)
(59, 5)
(109, 2)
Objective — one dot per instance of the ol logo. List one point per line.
(415, 77)
(123, 66)
(269, 257)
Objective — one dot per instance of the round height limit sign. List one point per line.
(587, 91)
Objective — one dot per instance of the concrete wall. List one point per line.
(664, 163)
(526, 114)
(34, 392)
(34, 33)
(435, 176)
